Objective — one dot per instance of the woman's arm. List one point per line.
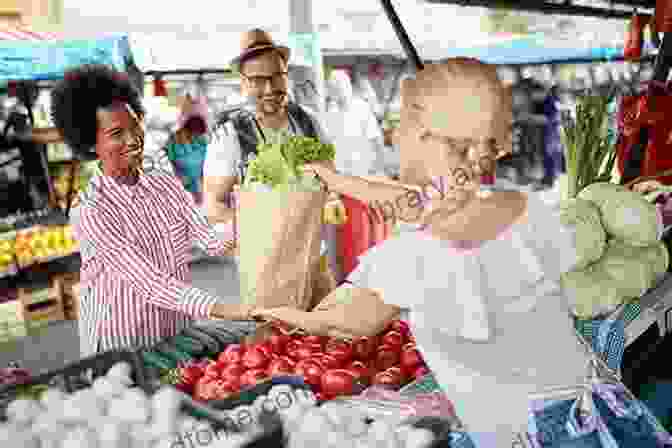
(393, 199)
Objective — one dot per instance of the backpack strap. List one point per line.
(302, 118)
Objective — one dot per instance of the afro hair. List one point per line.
(76, 99)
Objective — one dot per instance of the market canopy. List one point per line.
(32, 55)
(617, 9)
(529, 49)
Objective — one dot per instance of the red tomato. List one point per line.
(255, 358)
(252, 377)
(191, 374)
(397, 373)
(420, 372)
(212, 371)
(339, 350)
(205, 389)
(386, 379)
(338, 382)
(232, 371)
(387, 357)
(289, 360)
(329, 362)
(393, 338)
(364, 348)
(305, 352)
(310, 370)
(401, 326)
(314, 340)
(280, 367)
(410, 358)
(232, 353)
(360, 370)
(292, 346)
(265, 347)
(279, 343)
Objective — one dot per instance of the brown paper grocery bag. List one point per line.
(280, 235)
(345, 313)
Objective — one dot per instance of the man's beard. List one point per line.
(272, 104)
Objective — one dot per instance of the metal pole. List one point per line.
(402, 35)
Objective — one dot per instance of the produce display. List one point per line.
(330, 366)
(7, 251)
(61, 176)
(41, 243)
(278, 162)
(109, 414)
(620, 254)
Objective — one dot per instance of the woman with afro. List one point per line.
(135, 229)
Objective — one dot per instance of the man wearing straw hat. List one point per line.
(263, 68)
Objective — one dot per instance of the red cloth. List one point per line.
(354, 237)
(636, 112)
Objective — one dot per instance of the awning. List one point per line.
(27, 54)
(21, 33)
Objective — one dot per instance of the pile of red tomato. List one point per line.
(330, 366)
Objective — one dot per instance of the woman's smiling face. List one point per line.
(120, 140)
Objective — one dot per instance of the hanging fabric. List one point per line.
(634, 42)
(641, 114)
(160, 87)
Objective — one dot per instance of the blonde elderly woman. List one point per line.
(478, 268)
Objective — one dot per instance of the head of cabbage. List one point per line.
(626, 215)
(591, 292)
(591, 239)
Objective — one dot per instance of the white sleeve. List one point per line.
(372, 129)
(223, 154)
(318, 123)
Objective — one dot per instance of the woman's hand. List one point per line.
(323, 170)
(646, 187)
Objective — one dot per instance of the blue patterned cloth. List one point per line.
(607, 338)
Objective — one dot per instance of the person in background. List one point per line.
(187, 147)
(354, 129)
(135, 230)
(263, 68)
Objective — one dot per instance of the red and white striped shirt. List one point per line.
(135, 244)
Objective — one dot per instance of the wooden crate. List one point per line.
(68, 285)
(41, 305)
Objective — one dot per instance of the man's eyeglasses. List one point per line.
(261, 80)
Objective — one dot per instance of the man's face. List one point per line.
(265, 79)
(120, 141)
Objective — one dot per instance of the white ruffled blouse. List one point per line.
(497, 308)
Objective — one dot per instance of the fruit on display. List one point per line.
(332, 367)
(40, 243)
(7, 251)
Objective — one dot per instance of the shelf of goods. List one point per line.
(30, 308)
(34, 245)
(172, 391)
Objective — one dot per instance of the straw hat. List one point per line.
(255, 42)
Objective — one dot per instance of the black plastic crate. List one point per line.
(79, 375)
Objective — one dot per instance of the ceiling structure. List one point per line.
(617, 9)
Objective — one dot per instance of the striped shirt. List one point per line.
(135, 244)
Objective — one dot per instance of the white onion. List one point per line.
(23, 412)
